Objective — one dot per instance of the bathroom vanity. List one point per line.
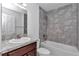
(13, 41)
(19, 49)
(27, 50)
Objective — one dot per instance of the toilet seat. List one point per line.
(43, 51)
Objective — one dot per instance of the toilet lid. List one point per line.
(43, 51)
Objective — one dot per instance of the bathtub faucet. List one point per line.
(45, 37)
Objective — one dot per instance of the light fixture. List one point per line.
(24, 4)
(21, 5)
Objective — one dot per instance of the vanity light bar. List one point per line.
(21, 5)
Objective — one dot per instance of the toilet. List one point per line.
(41, 51)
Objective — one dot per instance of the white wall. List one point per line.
(0, 26)
(33, 20)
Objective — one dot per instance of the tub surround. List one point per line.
(62, 25)
(6, 47)
(59, 25)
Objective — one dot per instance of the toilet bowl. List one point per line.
(43, 52)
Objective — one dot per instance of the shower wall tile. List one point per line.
(42, 24)
(62, 25)
(78, 25)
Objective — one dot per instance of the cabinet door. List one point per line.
(23, 50)
(32, 53)
(25, 55)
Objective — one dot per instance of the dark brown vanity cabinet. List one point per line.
(28, 50)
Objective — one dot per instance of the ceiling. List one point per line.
(46, 6)
(50, 6)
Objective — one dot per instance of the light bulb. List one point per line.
(24, 4)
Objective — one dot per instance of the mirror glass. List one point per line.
(8, 25)
(13, 23)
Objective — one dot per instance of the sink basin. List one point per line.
(21, 40)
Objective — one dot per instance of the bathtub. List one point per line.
(58, 49)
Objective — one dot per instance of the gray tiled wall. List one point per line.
(78, 24)
(62, 25)
(42, 24)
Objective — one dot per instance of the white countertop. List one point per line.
(6, 47)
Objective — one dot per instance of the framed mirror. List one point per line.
(14, 22)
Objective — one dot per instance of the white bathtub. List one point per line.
(58, 49)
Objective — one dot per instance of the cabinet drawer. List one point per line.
(32, 53)
(23, 50)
